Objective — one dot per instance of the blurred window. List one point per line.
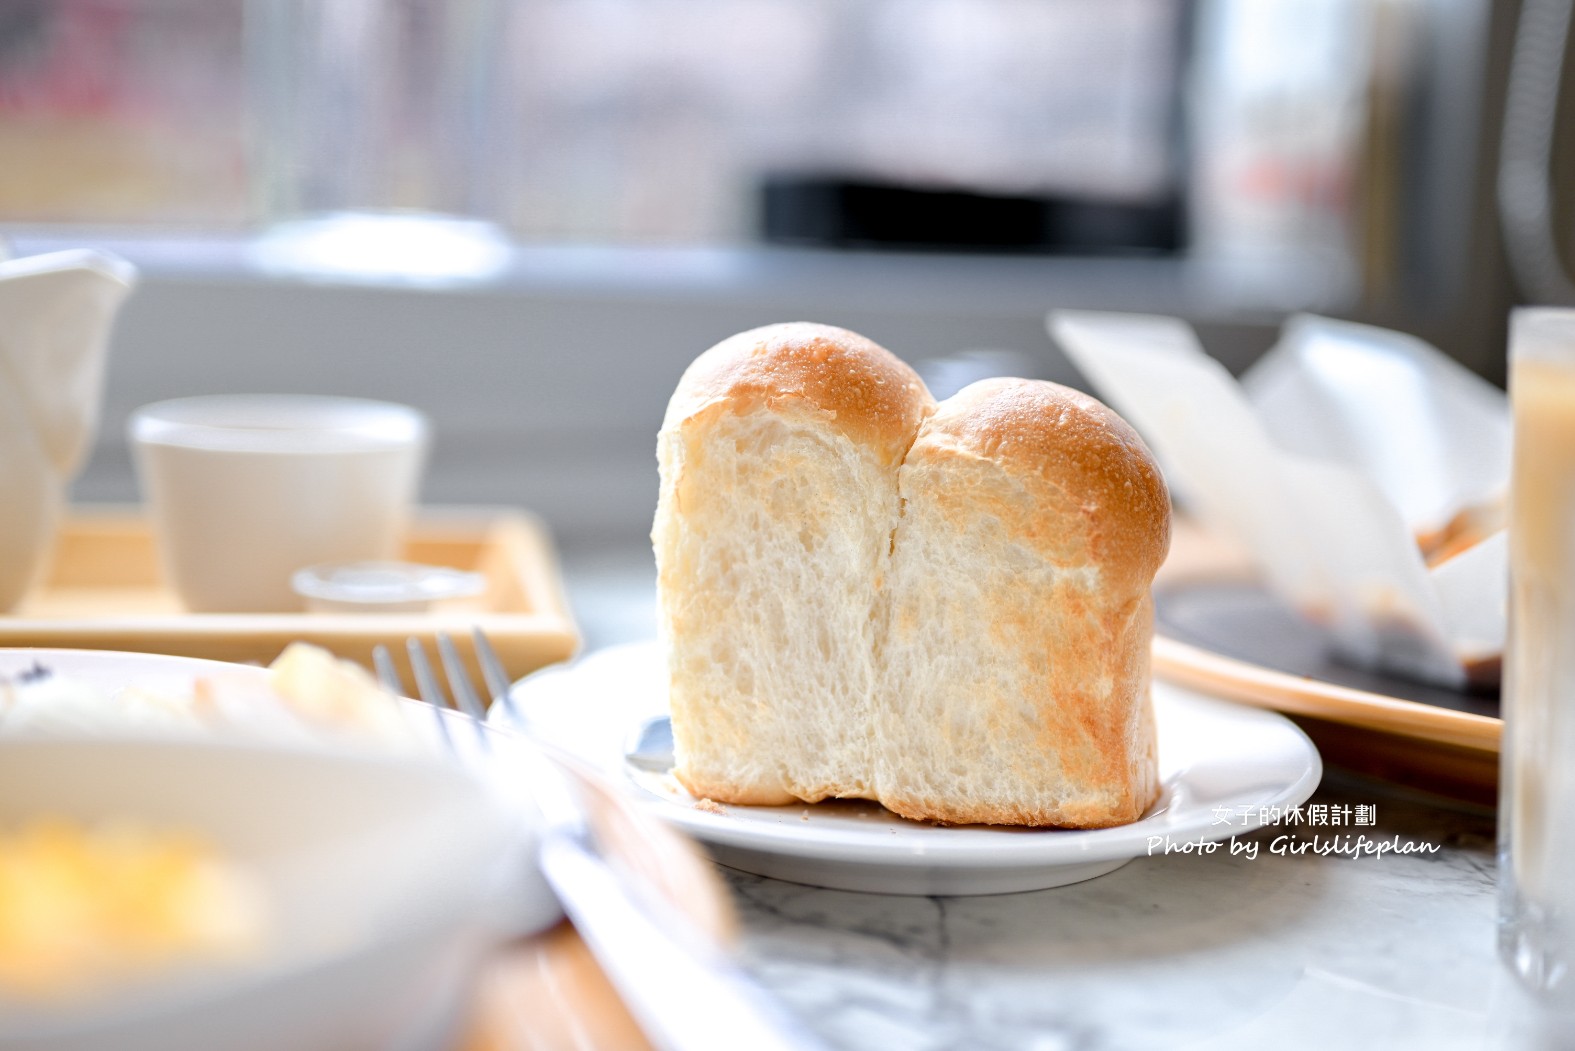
(623, 120)
(664, 118)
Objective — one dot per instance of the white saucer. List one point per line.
(1221, 766)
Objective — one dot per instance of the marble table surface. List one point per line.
(1214, 953)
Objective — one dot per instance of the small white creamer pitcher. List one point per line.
(55, 316)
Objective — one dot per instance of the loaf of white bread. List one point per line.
(942, 608)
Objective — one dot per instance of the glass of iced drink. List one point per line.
(1537, 775)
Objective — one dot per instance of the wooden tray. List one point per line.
(103, 591)
(1218, 632)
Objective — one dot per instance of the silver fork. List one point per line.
(679, 985)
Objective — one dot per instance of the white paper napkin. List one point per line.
(1325, 462)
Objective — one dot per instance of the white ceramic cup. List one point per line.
(243, 490)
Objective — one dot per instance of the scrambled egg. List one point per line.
(86, 906)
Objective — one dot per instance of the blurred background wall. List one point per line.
(661, 173)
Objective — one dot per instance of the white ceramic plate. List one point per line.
(415, 864)
(1217, 761)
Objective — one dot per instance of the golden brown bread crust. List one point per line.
(1089, 460)
(860, 387)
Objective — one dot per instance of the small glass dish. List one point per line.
(382, 587)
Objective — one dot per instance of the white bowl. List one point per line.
(384, 878)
